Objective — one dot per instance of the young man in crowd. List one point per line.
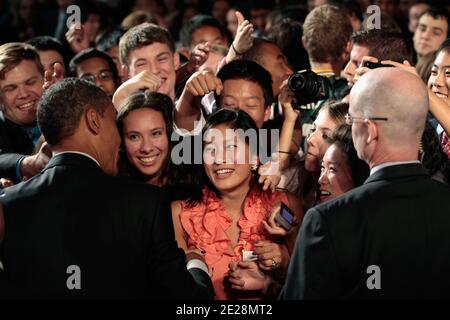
(21, 82)
(50, 51)
(97, 67)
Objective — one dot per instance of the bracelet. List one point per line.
(286, 152)
(235, 51)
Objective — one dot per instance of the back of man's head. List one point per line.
(384, 45)
(12, 53)
(63, 105)
(326, 32)
(143, 35)
(397, 95)
(251, 71)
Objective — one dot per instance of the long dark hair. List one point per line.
(235, 119)
(159, 103)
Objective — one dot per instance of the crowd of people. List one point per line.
(224, 150)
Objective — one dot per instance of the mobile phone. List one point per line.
(248, 255)
(374, 65)
(285, 217)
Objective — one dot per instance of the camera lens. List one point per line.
(296, 82)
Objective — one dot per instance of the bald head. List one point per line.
(397, 95)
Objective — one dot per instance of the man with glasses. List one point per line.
(97, 67)
(389, 238)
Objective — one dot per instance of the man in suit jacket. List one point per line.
(75, 230)
(389, 238)
(21, 81)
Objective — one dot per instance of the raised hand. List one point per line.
(204, 82)
(144, 81)
(198, 56)
(285, 98)
(77, 38)
(270, 174)
(243, 40)
(51, 77)
(405, 66)
(361, 70)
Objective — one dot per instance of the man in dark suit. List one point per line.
(21, 81)
(389, 238)
(75, 231)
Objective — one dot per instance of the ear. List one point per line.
(348, 47)
(267, 113)
(176, 60)
(304, 43)
(372, 131)
(125, 71)
(347, 50)
(92, 119)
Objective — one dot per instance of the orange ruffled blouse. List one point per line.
(206, 224)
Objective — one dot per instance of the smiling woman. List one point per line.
(439, 84)
(145, 124)
(224, 220)
(341, 168)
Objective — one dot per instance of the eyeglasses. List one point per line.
(349, 119)
(105, 75)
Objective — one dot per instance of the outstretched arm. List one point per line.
(188, 108)
(243, 40)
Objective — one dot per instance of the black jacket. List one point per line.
(398, 221)
(118, 232)
(14, 143)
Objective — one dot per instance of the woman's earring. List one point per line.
(254, 167)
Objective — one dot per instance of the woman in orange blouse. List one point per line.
(225, 219)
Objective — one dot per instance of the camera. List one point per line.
(308, 87)
(285, 217)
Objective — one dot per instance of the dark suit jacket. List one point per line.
(399, 220)
(14, 143)
(117, 231)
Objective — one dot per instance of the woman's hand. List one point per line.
(271, 256)
(270, 175)
(271, 226)
(198, 56)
